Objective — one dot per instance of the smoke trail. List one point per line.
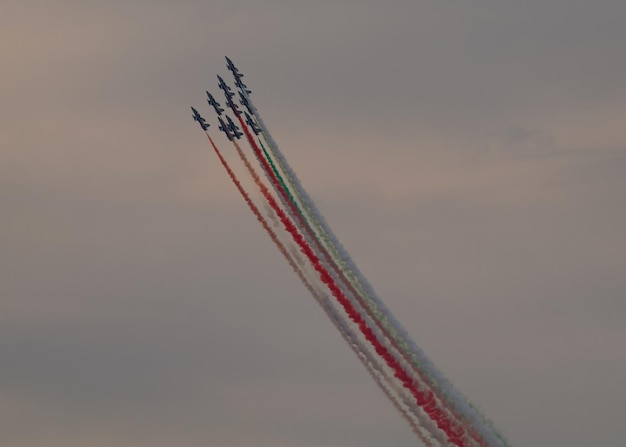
(327, 262)
(425, 399)
(296, 215)
(339, 277)
(369, 361)
(374, 306)
(349, 337)
(384, 382)
(283, 194)
(390, 334)
(341, 267)
(457, 429)
(434, 377)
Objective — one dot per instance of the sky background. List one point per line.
(470, 155)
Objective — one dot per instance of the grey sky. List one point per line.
(470, 155)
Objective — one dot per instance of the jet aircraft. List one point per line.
(227, 91)
(233, 69)
(232, 127)
(238, 82)
(250, 122)
(241, 86)
(244, 102)
(216, 105)
(233, 106)
(197, 117)
(224, 128)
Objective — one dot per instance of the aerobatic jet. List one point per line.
(197, 117)
(233, 69)
(233, 106)
(230, 128)
(216, 105)
(244, 102)
(224, 128)
(250, 122)
(233, 129)
(241, 86)
(229, 96)
(227, 91)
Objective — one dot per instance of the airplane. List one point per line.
(227, 91)
(233, 106)
(238, 82)
(211, 100)
(229, 96)
(232, 127)
(250, 122)
(232, 68)
(244, 102)
(200, 120)
(224, 128)
(241, 86)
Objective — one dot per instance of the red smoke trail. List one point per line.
(425, 399)
(313, 292)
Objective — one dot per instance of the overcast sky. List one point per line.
(470, 155)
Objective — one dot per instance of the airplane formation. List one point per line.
(438, 414)
(226, 124)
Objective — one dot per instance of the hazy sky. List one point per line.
(470, 155)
